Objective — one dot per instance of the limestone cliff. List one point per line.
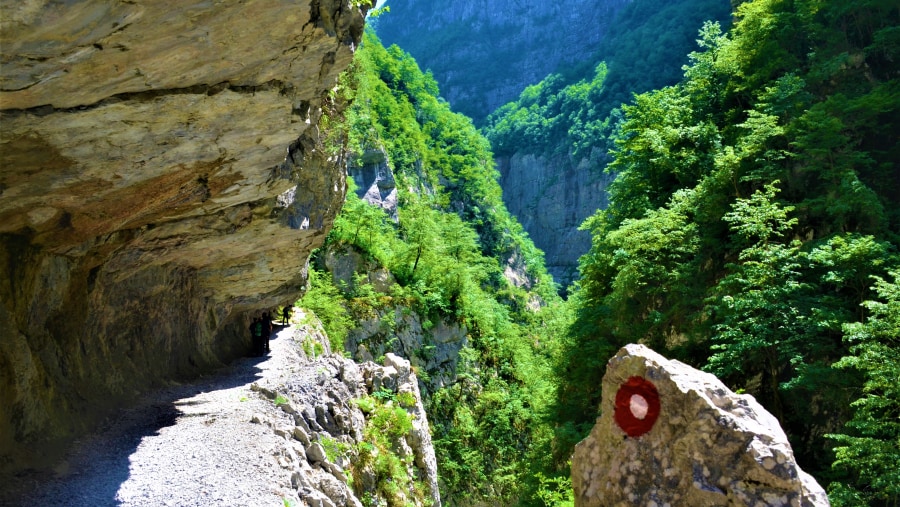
(552, 198)
(162, 174)
(483, 53)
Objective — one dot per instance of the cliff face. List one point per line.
(551, 198)
(162, 174)
(483, 53)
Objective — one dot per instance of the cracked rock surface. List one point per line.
(163, 174)
(698, 443)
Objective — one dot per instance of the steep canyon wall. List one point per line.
(162, 175)
(551, 197)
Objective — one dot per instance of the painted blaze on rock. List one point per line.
(670, 435)
(637, 406)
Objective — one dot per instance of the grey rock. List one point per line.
(309, 416)
(315, 453)
(701, 444)
(376, 185)
(334, 489)
(351, 377)
(301, 423)
(335, 470)
(296, 480)
(551, 198)
(325, 420)
(268, 393)
(401, 366)
(284, 431)
(301, 435)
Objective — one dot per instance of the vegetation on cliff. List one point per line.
(753, 231)
(576, 109)
(448, 252)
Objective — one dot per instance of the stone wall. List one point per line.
(162, 175)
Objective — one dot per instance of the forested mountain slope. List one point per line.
(753, 230)
(483, 53)
(453, 283)
(552, 143)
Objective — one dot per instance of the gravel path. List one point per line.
(189, 445)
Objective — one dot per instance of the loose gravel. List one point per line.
(187, 445)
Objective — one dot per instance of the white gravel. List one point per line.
(188, 445)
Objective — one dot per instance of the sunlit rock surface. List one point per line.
(162, 174)
(672, 435)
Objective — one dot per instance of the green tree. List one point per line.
(753, 202)
(869, 449)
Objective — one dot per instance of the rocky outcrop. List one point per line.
(483, 53)
(375, 181)
(551, 199)
(672, 435)
(162, 174)
(432, 346)
(325, 430)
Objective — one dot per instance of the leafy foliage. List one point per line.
(754, 201)
(381, 455)
(576, 110)
(323, 299)
(448, 252)
(870, 449)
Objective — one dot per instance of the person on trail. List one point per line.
(286, 315)
(267, 329)
(256, 334)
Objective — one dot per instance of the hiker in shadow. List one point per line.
(267, 330)
(256, 334)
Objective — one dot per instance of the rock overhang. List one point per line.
(143, 150)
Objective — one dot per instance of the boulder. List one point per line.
(672, 435)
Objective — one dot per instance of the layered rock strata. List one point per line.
(673, 435)
(162, 175)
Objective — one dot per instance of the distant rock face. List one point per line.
(551, 199)
(483, 53)
(671, 435)
(375, 181)
(162, 174)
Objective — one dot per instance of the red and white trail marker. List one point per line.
(637, 406)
